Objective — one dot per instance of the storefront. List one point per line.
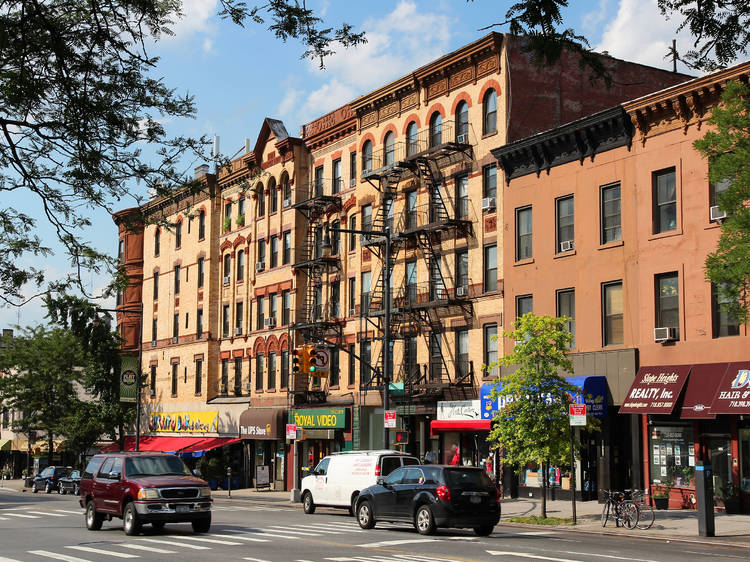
(262, 430)
(324, 431)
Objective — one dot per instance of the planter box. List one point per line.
(661, 503)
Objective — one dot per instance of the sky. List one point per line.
(239, 76)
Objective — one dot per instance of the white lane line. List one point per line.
(614, 557)
(23, 515)
(340, 529)
(68, 511)
(214, 541)
(3, 559)
(173, 543)
(104, 552)
(256, 559)
(528, 555)
(3, 518)
(240, 538)
(56, 556)
(46, 513)
(147, 548)
(262, 533)
(282, 529)
(395, 543)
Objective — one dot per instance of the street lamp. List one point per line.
(326, 251)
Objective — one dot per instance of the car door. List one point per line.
(115, 486)
(406, 490)
(385, 495)
(322, 492)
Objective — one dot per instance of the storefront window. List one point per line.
(745, 458)
(672, 455)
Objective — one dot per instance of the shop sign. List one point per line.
(324, 418)
(733, 394)
(655, 390)
(184, 422)
(459, 410)
(577, 414)
(261, 423)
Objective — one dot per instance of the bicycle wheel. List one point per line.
(605, 513)
(646, 516)
(629, 514)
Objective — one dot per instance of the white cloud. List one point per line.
(326, 98)
(208, 45)
(593, 19)
(197, 15)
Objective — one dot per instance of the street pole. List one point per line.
(139, 382)
(387, 335)
(573, 474)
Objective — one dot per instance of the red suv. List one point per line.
(143, 488)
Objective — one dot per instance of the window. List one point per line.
(335, 238)
(367, 217)
(336, 299)
(227, 268)
(238, 375)
(201, 271)
(178, 234)
(157, 241)
(201, 224)
(318, 302)
(665, 200)
(462, 123)
(284, 368)
(199, 324)
(436, 356)
(261, 202)
(224, 375)
(410, 282)
(352, 169)
(176, 279)
(523, 234)
(286, 190)
(489, 109)
(225, 321)
(240, 265)
(412, 146)
(716, 189)
(490, 349)
(241, 206)
(174, 379)
(462, 353)
(352, 236)
(337, 181)
(610, 213)
(154, 339)
(318, 181)
(612, 313)
(286, 252)
(365, 292)
(389, 149)
(152, 381)
(286, 307)
(156, 285)
(489, 181)
(524, 305)
(228, 215)
(274, 195)
(121, 250)
(260, 305)
(724, 322)
(411, 210)
(352, 295)
(436, 129)
(198, 376)
(462, 272)
(271, 369)
(411, 367)
(273, 309)
(175, 327)
(367, 156)
(364, 363)
(566, 306)
(262, 252)
(352, 367)
(259, 371)
(118, 301)
(274, 261)
(668, 302)
(564, 223)
(238, 310)
(490, 268)
(462, 196)
(334, 377)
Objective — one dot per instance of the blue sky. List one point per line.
(239, 76)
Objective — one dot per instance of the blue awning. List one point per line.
(594, 387)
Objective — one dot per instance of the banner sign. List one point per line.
(184, 422)
(128, 378)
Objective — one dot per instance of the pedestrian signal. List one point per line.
(402, 437)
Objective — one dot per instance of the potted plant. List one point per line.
(661, 495)
(212, 471)
(227, 224)
(240, 220)
(731, 498)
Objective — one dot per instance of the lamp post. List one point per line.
(326, 250)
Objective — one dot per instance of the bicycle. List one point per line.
(623, 510)
(646, 514)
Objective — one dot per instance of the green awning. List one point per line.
(5, 444)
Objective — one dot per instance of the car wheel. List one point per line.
(61, 491)
(47, 488)
(353, 506)
(484, 530)
(308, 505)
(130, 523)
(93, 519)
(424, 521)
(202, 525)
(364, 515)
(158, 525)
(76, 489)
(34, 489)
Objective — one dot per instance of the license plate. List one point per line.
(182, 508)
(475, 499)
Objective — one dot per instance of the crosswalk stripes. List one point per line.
(80, 512)
(47, 513)
(3, 519)
(3, 559)
(282, 529)
(241, 538)
(515, 555)
(264, 534)
(152, 549)
(25, 516)
(102, 551)
(175, 543)
(57, 556)
(212, 541)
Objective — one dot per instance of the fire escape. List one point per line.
(421, 309)
(315, 322)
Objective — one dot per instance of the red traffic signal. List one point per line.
(401, 438)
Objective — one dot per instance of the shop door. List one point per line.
(721, 460)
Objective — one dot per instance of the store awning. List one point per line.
(733, 391)
(656, 390)
(5, 444)
(701, 387)
(154, 444)
(197, 449)
(262, 423)
(437, 426)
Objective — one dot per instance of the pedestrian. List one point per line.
(456, 460)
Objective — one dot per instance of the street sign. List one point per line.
(322, 361)
(291, 431)
(577, 413)
(389, 418)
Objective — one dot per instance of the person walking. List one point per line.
(456, 460)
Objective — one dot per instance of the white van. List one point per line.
(339, 477)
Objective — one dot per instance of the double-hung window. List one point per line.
(565, 223)
(523, 234)
(611, 219)
(665, 200)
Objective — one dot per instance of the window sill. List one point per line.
(350, 386)
(198, 394)
(712, 225)
(495, 293)
(608, 245)
(337, 387)
(488, 135)
(270, 390)
(523, 262)
(561, 255)
(174, 396)
(676, 232)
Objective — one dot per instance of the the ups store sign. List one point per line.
(262, 423)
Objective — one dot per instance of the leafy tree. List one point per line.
(533, 425)
(37, 378)
(727, 148)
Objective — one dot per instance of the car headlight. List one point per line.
(205, 492)
(148, 494)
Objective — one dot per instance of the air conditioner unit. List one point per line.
(566, 246)
(664, 334)
(227, 279)
(223, 389)
(269, 322)
(440, 294)
(237, 331)
(352, 312)
(287, 202)
(462, 291)
(488, 203)
(174, 339)
(153, 343)
(716, 214)
(248, 386)
(364, 239)
(463, 138)
(352, 182)
(260, 266)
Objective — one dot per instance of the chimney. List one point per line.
(247, 146)
(200, 171)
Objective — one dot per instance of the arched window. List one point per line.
(390, 147)
(201, 224)
(367, 156)
(436, 129)
(411, 139)
(489, 107)
(261, 200)
(227, 268)
(273, 195)
(157, 241)
(286, 190)
(462, 123)
(240, 265)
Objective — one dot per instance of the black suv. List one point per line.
(49, 478)
(430, 496)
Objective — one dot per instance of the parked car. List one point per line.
(338, 478)
(432, 496)
(70, 484)
(49, 478)
(140, 488)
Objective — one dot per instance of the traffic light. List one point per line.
(296, 366)
(402, 437)
(312, 361)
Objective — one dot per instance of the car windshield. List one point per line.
(155, 466)
(467, 479)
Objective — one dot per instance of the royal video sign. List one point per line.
(322, 418)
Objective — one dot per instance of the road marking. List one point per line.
(241, 538)
(147, 548)
(25, 516)
(173, 543)
(47, 513)
(395, 543)
(608, 556)
(334, 529)
(56, 556)
(282, 529)
(3, 518)
(102, 551)
(3, 559)
(68, 511)
(256, 559)
(527, 555)
(214, 541)
(263, 533)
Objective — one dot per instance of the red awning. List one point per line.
(210, 443)
(156, 443)
(655, 390)
(700, 389)
(733, 392)
(459, 425)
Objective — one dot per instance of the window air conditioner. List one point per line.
(717, 214)
(248, 386)
(352, 312)
(488, 203)
(223, 389)
(664, 334)
(153, 343)
(352, 182)
(174, 339)
(566, 246)
(269, 322)
(462, 291)
(260, 266)
(463, 138)
(287, 202)
(237, 330)
(227, 279)
(440, 294)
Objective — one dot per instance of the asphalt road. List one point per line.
(51, 527)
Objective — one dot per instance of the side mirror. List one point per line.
(196, 472)
(380, 481)
(114, 475)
